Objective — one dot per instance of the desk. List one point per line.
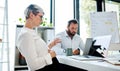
(88, 65)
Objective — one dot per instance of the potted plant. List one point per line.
(44, 23)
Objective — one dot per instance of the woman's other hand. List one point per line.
(52, 53)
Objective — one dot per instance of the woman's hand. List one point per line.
(52, 53)
(54, 42)
(57, 40)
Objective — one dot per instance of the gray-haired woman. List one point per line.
(38, 55)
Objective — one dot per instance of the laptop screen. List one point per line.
(87, 46)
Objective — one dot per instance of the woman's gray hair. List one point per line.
(35, 9)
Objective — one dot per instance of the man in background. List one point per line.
(69, 39)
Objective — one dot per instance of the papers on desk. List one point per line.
(83, 58)
(114, 61)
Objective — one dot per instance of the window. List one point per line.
(63, 13)
(4, 56)
(16, 10)
(86, 6)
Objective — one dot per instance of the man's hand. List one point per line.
(76, 52)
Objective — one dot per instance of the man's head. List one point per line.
(72, 27)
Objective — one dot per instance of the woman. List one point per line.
(38, 55)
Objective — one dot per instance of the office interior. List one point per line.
(57, 14)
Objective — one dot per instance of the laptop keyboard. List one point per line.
(85, 57)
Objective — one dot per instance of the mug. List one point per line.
(68, 51)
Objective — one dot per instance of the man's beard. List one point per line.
(71, 34)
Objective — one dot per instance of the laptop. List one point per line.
(88, 45)
(92, 45)
(88, 52)
(86, 56)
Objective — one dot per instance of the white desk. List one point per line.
(88, 65)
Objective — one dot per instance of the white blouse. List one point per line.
(34, 49)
